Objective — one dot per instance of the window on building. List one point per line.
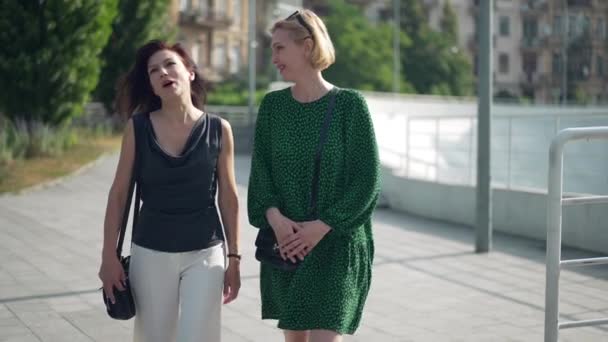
(207, 53)
(529, 62)
(600, 66)
(530, 27)
(600, 29)
(586, 25)
(219, 56)
(237, 12)
(503, 63)
(556, 65)
(585, 72)
(235, 60)
(504, 26)
(220, 7)
(185, 5)
(571, 25)
(203, 6)
(195, 52)
(557, 25)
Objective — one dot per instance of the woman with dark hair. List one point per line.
(184, 156)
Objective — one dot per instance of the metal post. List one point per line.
(565, 41)
(396, 44)
(509, 143)
(554, 236)
(407, 146)
(471, 143)
(483, 233)
(554, 229)
(437, 125)
(252, 51)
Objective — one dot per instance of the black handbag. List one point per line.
(267, 248)
(124, 305)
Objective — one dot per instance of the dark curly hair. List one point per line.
(134, 91)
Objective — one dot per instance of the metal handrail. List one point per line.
(509, 155)
(554, 229)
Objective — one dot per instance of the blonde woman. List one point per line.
(324, 297)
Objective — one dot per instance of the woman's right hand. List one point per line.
(112, 276)
(283, 228)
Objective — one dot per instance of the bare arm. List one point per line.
(227, 195)
(110, 271)
(228, 201)
(119, 192)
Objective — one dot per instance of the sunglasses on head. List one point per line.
(298, 16)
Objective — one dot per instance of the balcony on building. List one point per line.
(203, 18)
(533, 79)
(534, 7)
(583, 3)
(533, 43)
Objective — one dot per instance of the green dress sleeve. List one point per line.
(362, 188)
(261, 194)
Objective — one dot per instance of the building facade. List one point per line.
(542, 48)
(215, 34)
(532, 39)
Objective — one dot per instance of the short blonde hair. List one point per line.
(323, 53)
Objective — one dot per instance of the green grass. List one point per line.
(23, 173)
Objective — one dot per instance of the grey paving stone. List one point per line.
(428, 284)
(26, 337)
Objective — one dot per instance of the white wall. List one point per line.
(515, 212)
(428, 151)
(434, 139)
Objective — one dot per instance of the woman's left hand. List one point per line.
(306, 238)
(232, 280)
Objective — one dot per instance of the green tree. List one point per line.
(364, 55)
(50, 57)
(414, 20)
(433, 63)
(580, 54)
(449, 23)
(136, 23)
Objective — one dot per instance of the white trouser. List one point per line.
(178, 296)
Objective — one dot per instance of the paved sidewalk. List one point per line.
(428, 284)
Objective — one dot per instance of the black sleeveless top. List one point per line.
(178, 213)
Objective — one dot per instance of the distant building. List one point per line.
(215, 32)
(528, 38)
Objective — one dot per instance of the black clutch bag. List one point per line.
(267, 247)
(267, 251)
(124, 306)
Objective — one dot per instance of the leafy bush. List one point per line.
(51, 55)
(35, 139)
(233, 93)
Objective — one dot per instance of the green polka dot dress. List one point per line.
(328, 291)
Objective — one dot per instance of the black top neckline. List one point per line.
(188, 146)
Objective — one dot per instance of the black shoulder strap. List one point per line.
(215, 122)
(137, 122)
(317, 167)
